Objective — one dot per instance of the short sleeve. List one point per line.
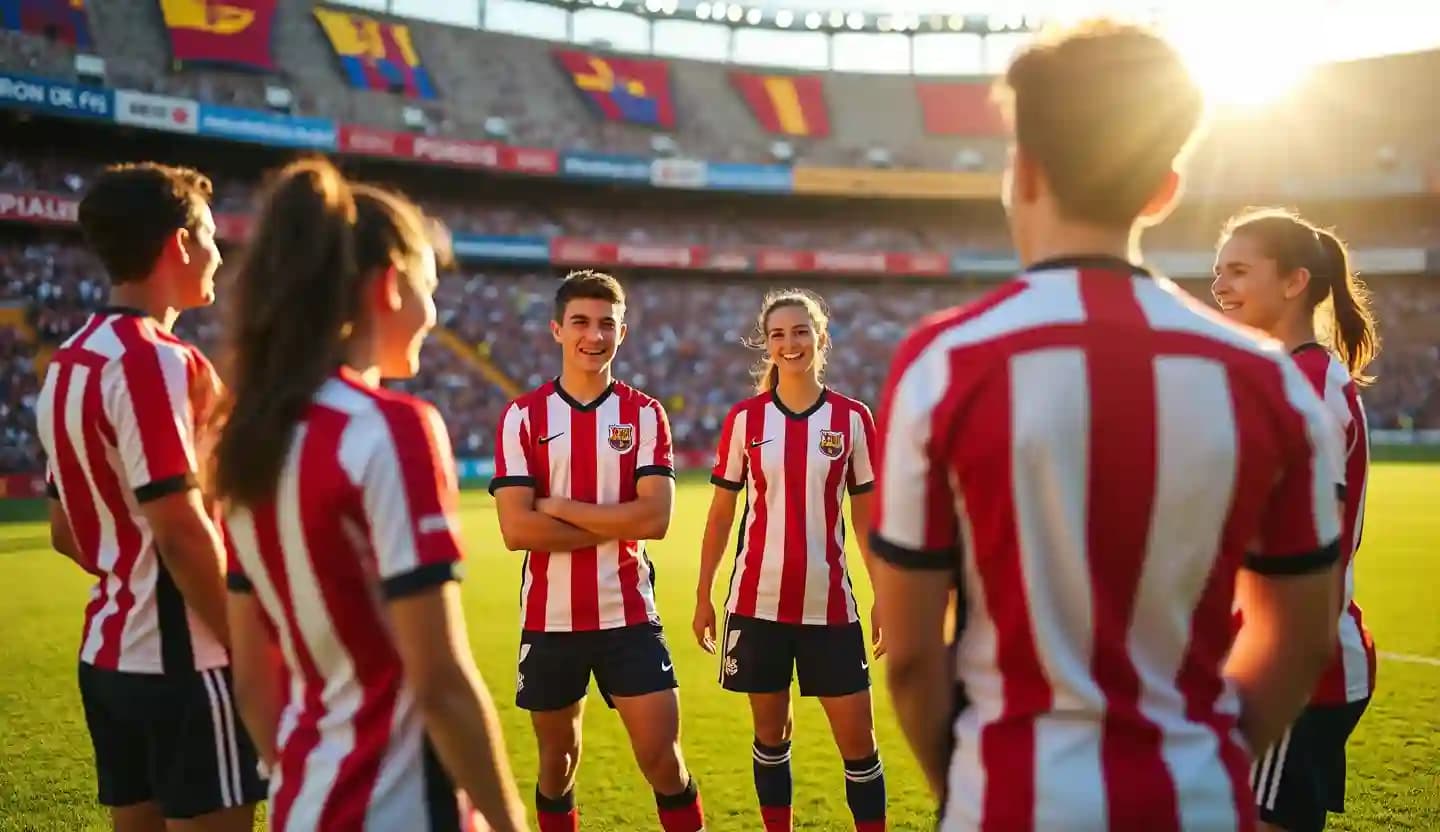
(655, 455)
(235, 578)
(411, 497)
(729, 470)
(512, 448)
(147, 400)
(914, 524)
(1300, 526)
(861, 477)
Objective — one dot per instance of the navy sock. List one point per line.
(772, 773)
(865, 788)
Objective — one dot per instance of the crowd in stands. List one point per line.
(697, 364)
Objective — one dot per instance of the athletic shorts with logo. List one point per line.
(555, 668)
(1302, 776)
(759, 656)
(174, 739)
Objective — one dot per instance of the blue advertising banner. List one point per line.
(509, 248)
(607, 166)
(56, 97)
(731, 176)
(266, 128)
(470, 470)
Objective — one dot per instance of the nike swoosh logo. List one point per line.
(546, 440)
(666, 667)
(758, 442)
(864, 665)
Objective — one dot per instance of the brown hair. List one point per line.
(1295, 243)
(132, 209)
(1104, 109)
(297, 296)
(587, 283)
(766, 373)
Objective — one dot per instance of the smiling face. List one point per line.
(791, 340)
(1249, 286)
(589, 333)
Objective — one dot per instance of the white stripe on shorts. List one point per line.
(232, 743)
(227, 799)
(1279, 771)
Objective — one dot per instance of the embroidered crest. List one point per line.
(832, 443)
(622, 437)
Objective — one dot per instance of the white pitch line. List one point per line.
(1409, 659)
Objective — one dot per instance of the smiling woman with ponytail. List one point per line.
(340, 501)
(1281, 274)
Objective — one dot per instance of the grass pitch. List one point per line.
(46, 781)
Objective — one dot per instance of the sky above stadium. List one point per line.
(1242, 47)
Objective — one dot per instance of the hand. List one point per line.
(704, 625)
(548, 505)
(877, 637)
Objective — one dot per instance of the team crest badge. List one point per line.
(622, 437)
(832, 443)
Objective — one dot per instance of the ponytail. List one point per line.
(1351, 322)
(296, 299)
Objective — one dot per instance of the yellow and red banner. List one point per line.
(790, 105)
(231, 32)
(375, 54)
(635, 90)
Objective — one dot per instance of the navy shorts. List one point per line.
(760, 656)
(1302, 776)
(555, 668)
(174, 739)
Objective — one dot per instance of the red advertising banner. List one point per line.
(464, 153)
(21, 486)
(233, 227)
(35, 207)
(568, 251)
(852, 262)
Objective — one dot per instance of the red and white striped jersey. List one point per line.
(364, 512)
(594, 453)
(1351, 675)
(1093, 456)
(795, 468)
(117, 417)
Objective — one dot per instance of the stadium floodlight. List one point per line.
(652, 6)
(855, 20)
(837, 19)
(812, 20)
(734, 13)
(883, 24)
(753, 16)
(956, 22)
(784, 18)
(702, 11)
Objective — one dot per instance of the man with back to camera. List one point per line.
(1093, 461)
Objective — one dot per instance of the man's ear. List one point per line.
(1027, 174)
(179, 244)
(1164, 198)
(621, 333)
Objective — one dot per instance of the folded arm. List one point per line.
(647, 517)
(525, 528)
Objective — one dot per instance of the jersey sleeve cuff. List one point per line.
(511, 482)
(1304, 563)
(654, 471)
(904, 557)
(420, 578)
(862, 488)
(177, 484)
(237, 582)
(728, 485)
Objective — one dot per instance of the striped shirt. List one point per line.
(795, 469)
(117, 416)
(1351, 674)
(594, 453)
(1093, 456)
(364, 512)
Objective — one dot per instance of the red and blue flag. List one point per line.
(633, 90)
(62, 20)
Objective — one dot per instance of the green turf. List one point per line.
(46, 782)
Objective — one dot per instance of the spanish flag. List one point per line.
(792, 105)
